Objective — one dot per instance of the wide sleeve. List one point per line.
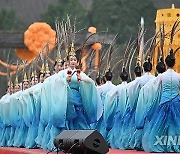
(122, 99)
(45, 95)
(148, 101)
(1, 110)
(37, 101)
(15, 107)
(6, 107)
(58, 100)
(90, 98)
(45, 100)
(132, 94)
(28, 106)
(110, 106)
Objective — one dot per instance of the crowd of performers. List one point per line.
(143, 114)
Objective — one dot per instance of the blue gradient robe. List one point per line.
(4, 120)
(165, 121)
(103, 90)
(114, 108)
(69, 105)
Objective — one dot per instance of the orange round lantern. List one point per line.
(97, 46)
(37, 36)
(92, 30)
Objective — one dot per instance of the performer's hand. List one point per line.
(69, 78)
(78, 77)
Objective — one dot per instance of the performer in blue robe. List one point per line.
(31, 103)
(114, 107)
(129, 136)
(23, 113)
(5, 133)
(15, 117)
(45, 109)
(136, 135)
(13, 111)
(103, 90)
(36, 94)
(2, 101)
(162, 133)
(147, 104)
(80, 99)
(39, 97)
(5, 127)
(73, 102)
(131, 94)
(46, 130)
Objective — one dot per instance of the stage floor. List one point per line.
(12, 150)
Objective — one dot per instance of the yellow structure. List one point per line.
(168, 17)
